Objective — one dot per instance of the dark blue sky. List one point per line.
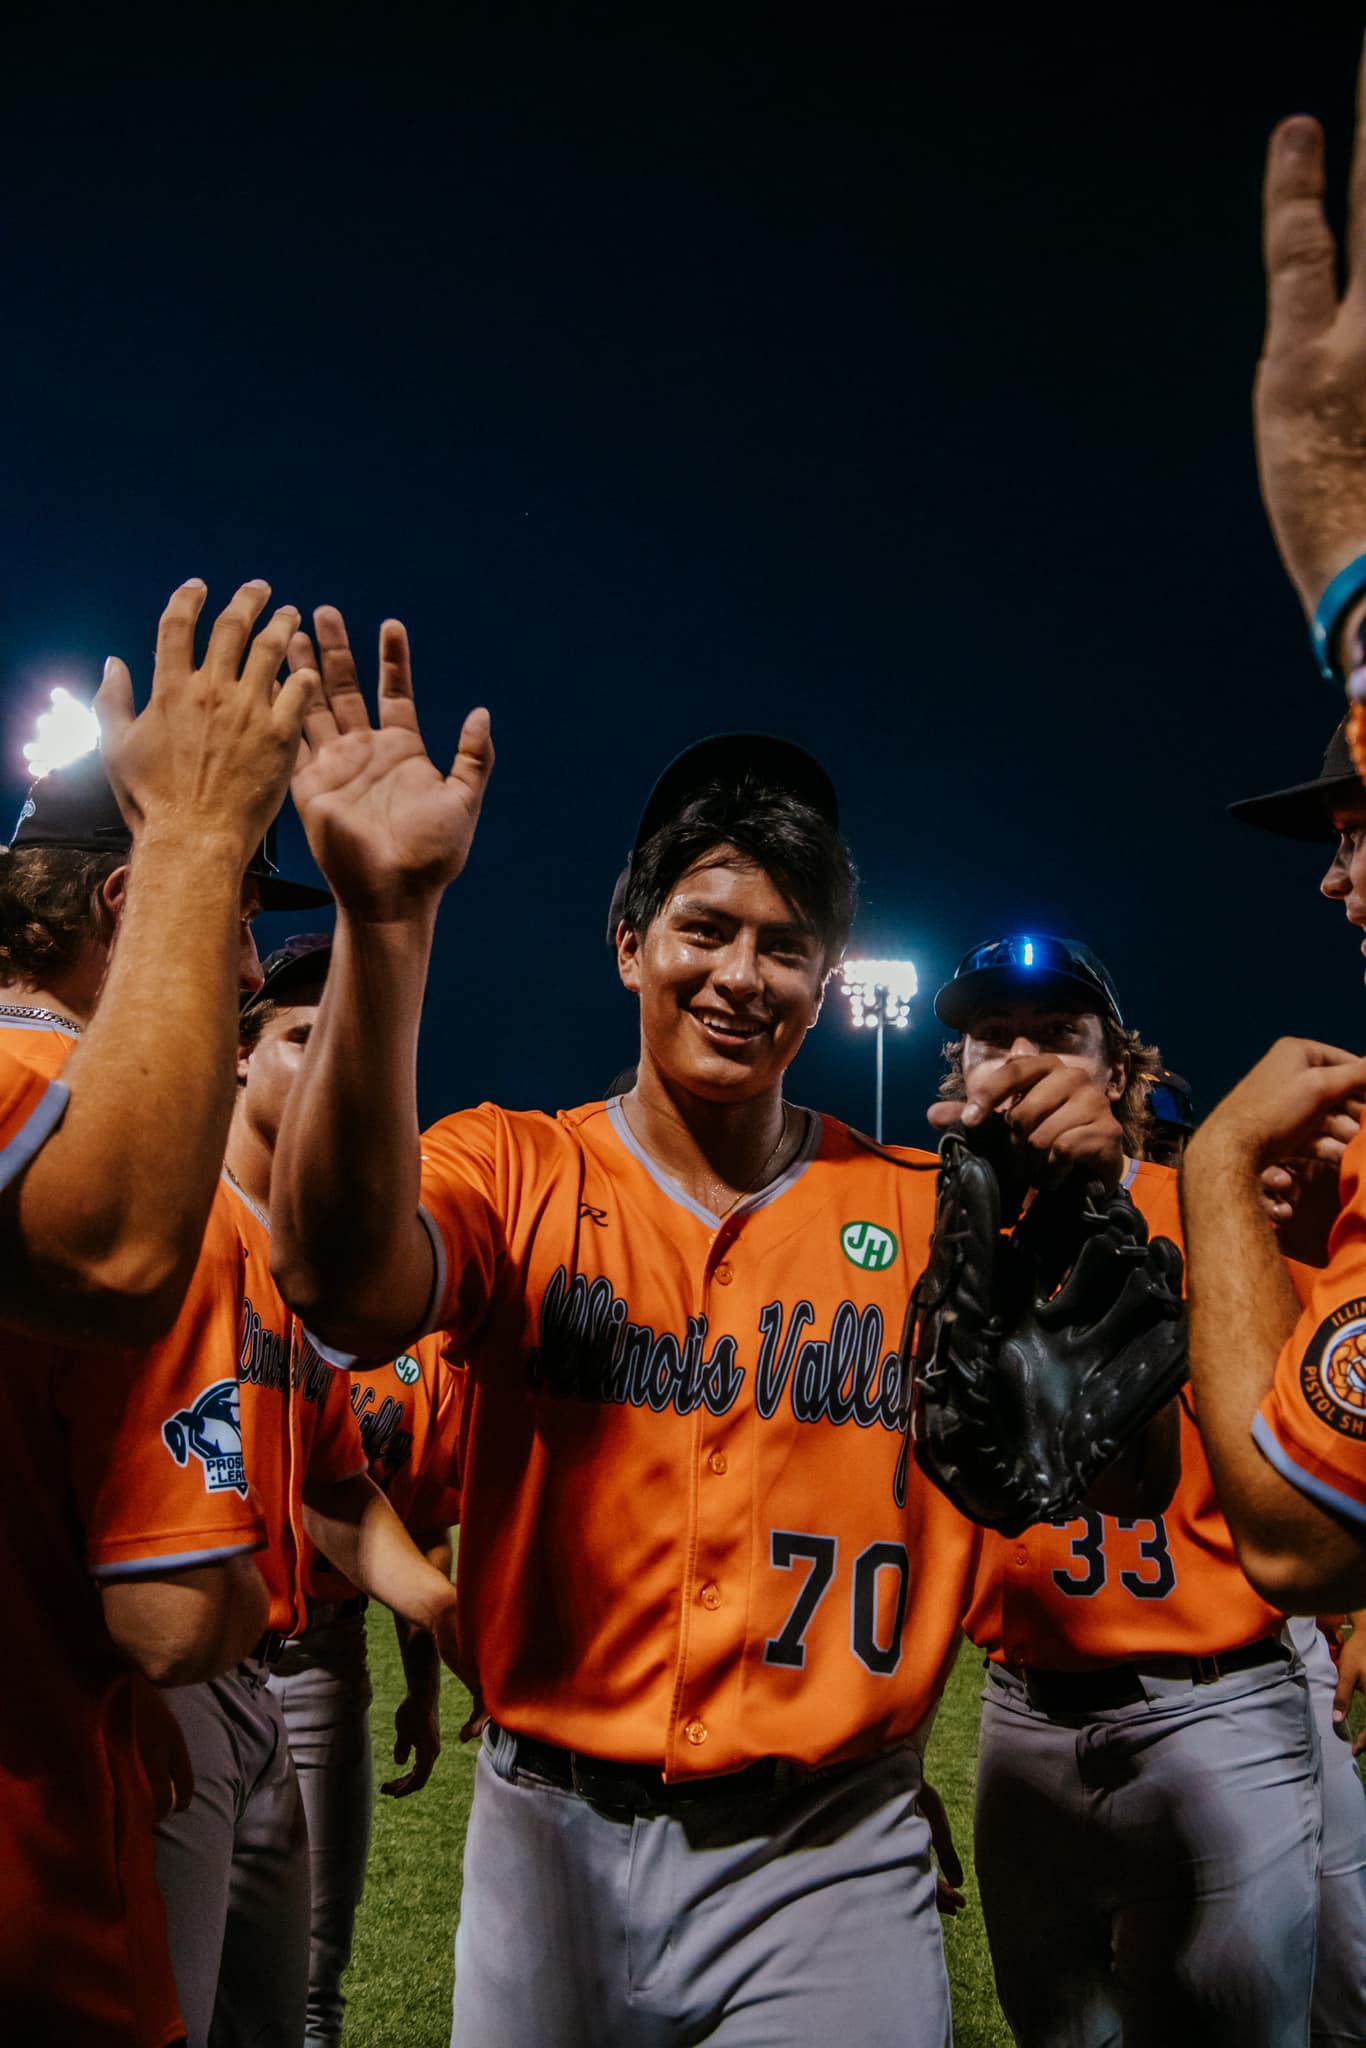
(882, 384)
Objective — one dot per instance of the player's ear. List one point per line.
(243, 1055)
(1118, 1079)
(112, 896)
(628, 956)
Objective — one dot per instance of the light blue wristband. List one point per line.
(1332, 608)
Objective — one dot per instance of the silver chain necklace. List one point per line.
(41, 1016)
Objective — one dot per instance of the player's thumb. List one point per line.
(114, 702)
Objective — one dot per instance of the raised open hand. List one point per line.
(1311, 383)
(387, 828)
(212, 752)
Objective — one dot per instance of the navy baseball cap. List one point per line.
(75, 807)
(1305, 809)
(1038, 964)
(1170, 1101)
(302, 962)
(729, 760)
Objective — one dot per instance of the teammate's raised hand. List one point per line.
(1311, 383)
(1288, 1107)
(387, 827)
(212, 753)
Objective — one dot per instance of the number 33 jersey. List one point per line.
(691, 1535)
(1100, 1590)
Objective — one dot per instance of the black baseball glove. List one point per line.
(1035, 1354)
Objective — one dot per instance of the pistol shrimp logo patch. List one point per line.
(1333, 1375)
(212, 1432)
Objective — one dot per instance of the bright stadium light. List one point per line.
(880, 993)
(64, 733)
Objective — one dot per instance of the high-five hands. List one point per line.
(1310, 401)
(386, 827)
(211, 754)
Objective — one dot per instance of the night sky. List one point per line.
(880, 382)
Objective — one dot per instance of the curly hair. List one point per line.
(50, 905)
(1143, 1062)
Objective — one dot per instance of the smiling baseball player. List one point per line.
(708, 1597)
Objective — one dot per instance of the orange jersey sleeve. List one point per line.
(426, 1493)
(1100, 1589)
(157, 1460)
(31, 1107)
(1312, 1424)
(692, 1530)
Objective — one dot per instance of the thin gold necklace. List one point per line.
(754, 1185)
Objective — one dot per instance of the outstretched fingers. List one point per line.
(341, 683)
(1301, 256)
(473, 763)
(175, 630)
(232, 628)
(268, 650)
(114, 702)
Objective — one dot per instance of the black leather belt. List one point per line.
(631, 1791)
(270, 1649)
(1073, 1695)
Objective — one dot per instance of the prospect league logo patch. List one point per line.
(1333, 1374)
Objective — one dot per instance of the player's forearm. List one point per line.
(417, 1649)
(109, 1219)
(188, 1626)
(1242, 1309)
(349, 1252)
(356, 1529)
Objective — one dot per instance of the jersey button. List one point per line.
(710, 1596)
(717, 1461)
(696, 1732)
(1021, 1555)
(724, 1276)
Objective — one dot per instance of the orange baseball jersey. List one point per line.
(1099, 1589)
(1312, 1424)
(296, 1418)
(31, 1107)
(691, 1531)
(117, 1461)
(410, 1415)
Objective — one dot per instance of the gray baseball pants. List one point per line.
(322, 1681)
(1150, 1875)
(796, 1920)
(233, 1869)
(1339, 2010)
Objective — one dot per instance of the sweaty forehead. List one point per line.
(726, 881)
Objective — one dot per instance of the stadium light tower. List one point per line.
(65, 732)
(879, 993)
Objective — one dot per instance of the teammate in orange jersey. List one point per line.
(1285, 1447)
(110, 1582)
(234, 1865)
(708, 1598)
(1146, 1722)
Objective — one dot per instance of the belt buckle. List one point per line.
(1205, 1670)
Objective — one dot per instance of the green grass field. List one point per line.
(399, 1988)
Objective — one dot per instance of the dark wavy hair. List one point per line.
(1144, 1063)
(49, 906)
(766, 828)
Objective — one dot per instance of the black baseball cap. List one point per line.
(302, 962)
(75, 807)
(1036, 963)
(731, 760)
(1304, 811)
